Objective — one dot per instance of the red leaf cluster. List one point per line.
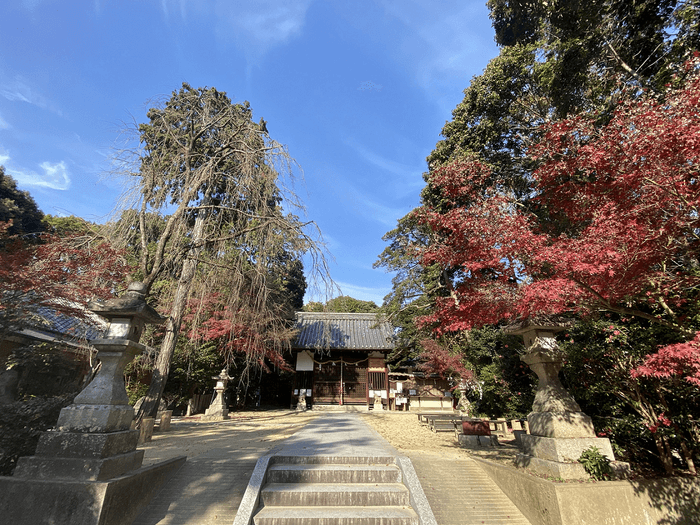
(438, 360)
(237, 330)
(62, 273)
(612, 221)
(680, 361)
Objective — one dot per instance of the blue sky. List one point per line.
(358, 91)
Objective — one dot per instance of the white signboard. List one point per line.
(305, 362)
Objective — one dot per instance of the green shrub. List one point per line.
(596, 464)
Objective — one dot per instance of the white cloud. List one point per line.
(3, 123)
(259, 25)
(31, 4)
(364, 293)
(255, 26)
(369, 209)
(54, 175)
(409, 175)
(368, 85)
(19, 90)
(443, 47)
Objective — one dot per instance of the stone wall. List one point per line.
(674, 501)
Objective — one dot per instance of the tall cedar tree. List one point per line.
(210, 212)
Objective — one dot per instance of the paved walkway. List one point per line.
(209, 488)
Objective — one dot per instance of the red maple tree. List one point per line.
(437, 359)
(237, 329)
(612, 221)
(61, 273)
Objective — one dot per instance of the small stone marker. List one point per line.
(165, 418)
(146, 429)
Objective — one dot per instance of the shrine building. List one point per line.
(340, 359)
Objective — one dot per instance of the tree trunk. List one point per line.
(688, 456)
(149, 407)
(664, 454)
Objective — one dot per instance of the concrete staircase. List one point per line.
(324, 490)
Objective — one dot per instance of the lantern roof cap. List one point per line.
(132, 304)
(551, 323)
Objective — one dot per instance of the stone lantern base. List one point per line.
(65, 501)
(558, 457)
(88, 471)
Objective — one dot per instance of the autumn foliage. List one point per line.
(611, 222)
(679, 361)
(439, 360)
(238, 331)
(60, 272)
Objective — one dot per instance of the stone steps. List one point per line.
(333, 473)
(312, 492)
(336, 495)
(336, 516)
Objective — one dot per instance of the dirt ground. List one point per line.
(255, 430)
(269, 428)
(406, 433)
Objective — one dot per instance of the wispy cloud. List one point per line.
(368, 85)
(31, 4)
(405, 171)
(255, 26)
(4, 124)
(260, 25)
(368, 208)
(443, 47)
(20, 90)
(53, 175)
(364, 293)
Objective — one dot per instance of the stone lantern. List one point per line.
(559, 430)
(88, 469)
(218, 411)
(103, 406)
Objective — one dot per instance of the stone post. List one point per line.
(165, 418)
(559, 430)
(218, 411)
(92, 450)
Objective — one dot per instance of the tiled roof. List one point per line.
(331, 330)
(50, 324)
(90, 328)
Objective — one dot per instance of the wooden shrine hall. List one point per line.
(341, 359)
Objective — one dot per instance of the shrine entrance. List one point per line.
(341, 382)
(340, 359)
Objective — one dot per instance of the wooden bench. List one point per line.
(443, 422)
(424, 416)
